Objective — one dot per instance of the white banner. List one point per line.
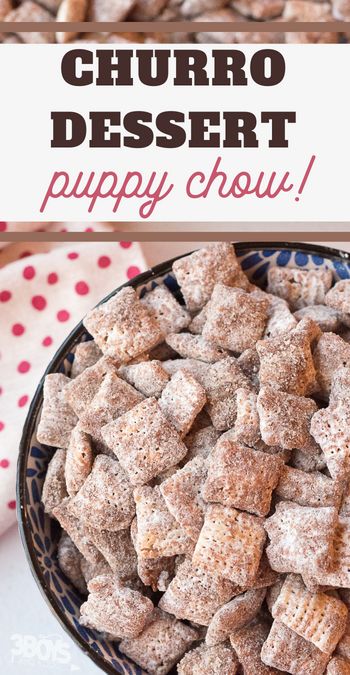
(255, 135)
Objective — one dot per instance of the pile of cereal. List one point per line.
(202, 467)
(204, 11)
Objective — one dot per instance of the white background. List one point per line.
(315, 86)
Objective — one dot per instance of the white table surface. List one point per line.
(26, 623)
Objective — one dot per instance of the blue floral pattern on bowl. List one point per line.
(40, 533)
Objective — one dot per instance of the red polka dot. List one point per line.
(125, 244)
(12, 504)
(5, 296)
(47, 341)
(72, 255)
(29, 272)
(24, 254)
(3, 227)
(2, 426)
(52, 278)
(63, 315)
(39, 302)
(18, 329)
(22, 401)
(4, 463)
(1, 391)
(89, 229)
(104, 261)
(23, 367)
(132, 271)
(82, 288)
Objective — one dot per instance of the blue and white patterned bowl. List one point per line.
(40, 533)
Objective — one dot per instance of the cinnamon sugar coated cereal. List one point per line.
(200, 460)
(235, 320)
(181, 401)
(276, 11)
(57, 418)
(316, 617)
(144, 441)
(241, 477)
(210, 660)
(148, 377)
(123, 327)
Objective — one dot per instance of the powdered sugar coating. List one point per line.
(234, 615)
(241, 477)
(300, 538)
(247, 425)
(158, 533)
(113, 398)
(123, 327)
(196, 367)
(278, 412)
(339, 574)
(232, 404)
(195, 347)
(148, 377)
(338, 666)
(198, 321)
(86, 354)
(343, 646)
(117, 549)
(299, 287)
(54, 488)
(161, 644)
(279, 317)
(249, 362)
(57, 417)
(330, 354)
(81, 391)
(195, 594)
(230, 544)
(92, 570)
(331, 429)
(79, 460)
(181, 401)
(222, 380)
(286, 650)
(286, 363)
(182, 493)
(306, 462)
(235, 320)
(317, 617)
(105, 500)
(273, 592)
(208, 660)
(69, 560)
(247, 643)
(170, 315)
(144, 441)
(340, 387)
(115, 609)
(338, 297)
(77, 531)
(200, 443)
(198, 273)
(308, 489)
(326, 318)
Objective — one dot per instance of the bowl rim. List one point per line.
(29, 425)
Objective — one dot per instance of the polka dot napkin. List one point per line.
(42, 297)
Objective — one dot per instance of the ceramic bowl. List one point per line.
(39, 532)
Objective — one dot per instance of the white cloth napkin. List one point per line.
(43, 295)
